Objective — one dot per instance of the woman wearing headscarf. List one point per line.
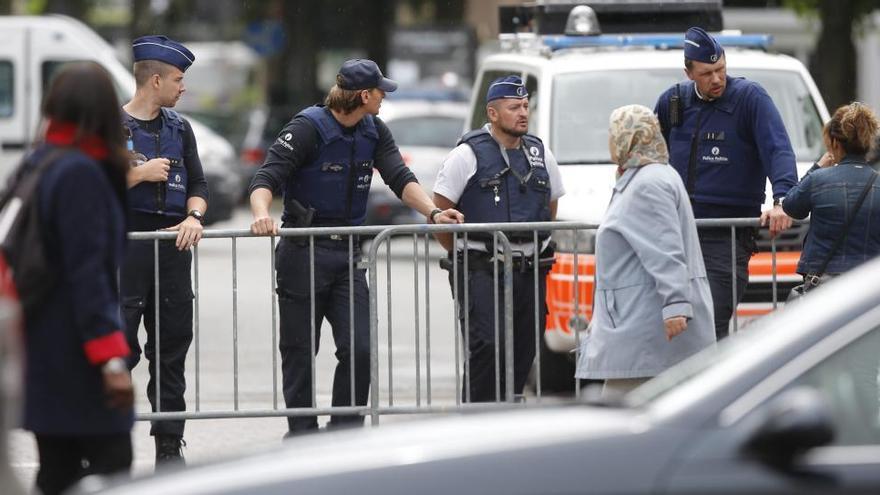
(652, 305)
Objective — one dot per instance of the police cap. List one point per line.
(701, 46)
(164, 50)
(361, 73)
(506, 87)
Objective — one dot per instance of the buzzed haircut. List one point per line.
(145, 69)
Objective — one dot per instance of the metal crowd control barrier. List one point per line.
(376, 406)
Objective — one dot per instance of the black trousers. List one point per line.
(64, 460)
(333, 302)
(715, 244)
(482, 344)
(175, 322)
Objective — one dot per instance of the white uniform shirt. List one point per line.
(461, 164)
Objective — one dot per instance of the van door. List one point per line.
(15, 122)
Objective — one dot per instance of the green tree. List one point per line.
(833, 65)
(73, 8)
(315, 25)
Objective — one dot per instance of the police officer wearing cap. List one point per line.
(322, 162)
(726, 138)
(500, 173)
(167, 191)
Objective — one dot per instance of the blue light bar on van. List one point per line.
(661, 41)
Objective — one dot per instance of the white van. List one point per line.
(574, 82)
(33, 48)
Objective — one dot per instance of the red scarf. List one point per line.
(66, 134)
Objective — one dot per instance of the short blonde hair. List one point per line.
(144, 70)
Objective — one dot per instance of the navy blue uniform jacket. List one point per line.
(742, 141)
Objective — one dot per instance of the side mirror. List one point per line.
(795, 422)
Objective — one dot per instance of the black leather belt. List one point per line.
(479, 260)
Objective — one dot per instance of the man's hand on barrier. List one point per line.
(448, 216)
(776, 219)
(189, 233)
(264, 226)
(675, 326)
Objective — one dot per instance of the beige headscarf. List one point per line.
(636, 137)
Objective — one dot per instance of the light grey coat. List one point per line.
(649, 267)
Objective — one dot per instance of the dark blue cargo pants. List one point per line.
(332, 301)
(137, 282)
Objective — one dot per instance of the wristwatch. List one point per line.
(114, 365)
(197, 215)
(433, 214)
(778, 201)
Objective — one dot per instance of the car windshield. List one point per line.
(441, 132)
(579, 126)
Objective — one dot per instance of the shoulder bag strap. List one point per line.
(849, 223)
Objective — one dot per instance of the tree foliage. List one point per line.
(833, 64)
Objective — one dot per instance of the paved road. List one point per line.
(210, 439)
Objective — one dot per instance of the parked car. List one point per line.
(574, 81)
(789, 406)
(218, 163)
(425, 131)
(263, 126)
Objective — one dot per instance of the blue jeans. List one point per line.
(715, 244)
(332, 301)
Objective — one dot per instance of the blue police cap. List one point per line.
(701, 46)
(506, 87)
(361, 73)
(164, 50)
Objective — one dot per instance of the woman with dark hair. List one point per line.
(78, 398)
(830, 191)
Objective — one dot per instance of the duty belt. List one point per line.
(479, 260)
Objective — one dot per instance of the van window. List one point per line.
(579, 126)
(479, 116)
(51, 67)
(7, 95)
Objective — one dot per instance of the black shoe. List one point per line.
(169, 449)
(290, 434)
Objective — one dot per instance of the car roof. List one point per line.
(585, 60)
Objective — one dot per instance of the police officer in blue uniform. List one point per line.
(500, 173)
(167, 191)
(322, 162)
(725, 138)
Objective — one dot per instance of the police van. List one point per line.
(576, 79)
(34, 48)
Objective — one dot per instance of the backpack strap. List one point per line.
(22, 186)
